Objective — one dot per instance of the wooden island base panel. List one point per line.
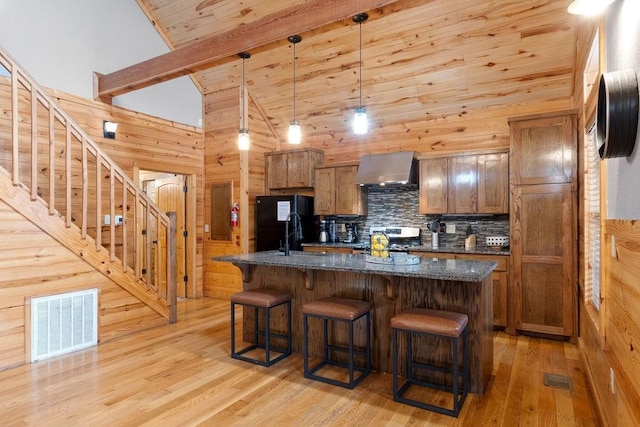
(454, 285)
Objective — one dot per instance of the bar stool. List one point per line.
(266, 299)
(434, 323)
(338, 310)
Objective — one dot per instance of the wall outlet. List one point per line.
(451, 229)
(612, 381)
(206, 228)
(107, 219)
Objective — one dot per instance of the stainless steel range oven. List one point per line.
(401, 239)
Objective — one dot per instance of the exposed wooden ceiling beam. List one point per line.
(207, 52)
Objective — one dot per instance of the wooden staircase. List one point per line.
(56, 175)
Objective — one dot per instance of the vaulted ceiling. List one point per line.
(422, 60)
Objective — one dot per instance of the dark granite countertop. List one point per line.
(479, 249)
(441, 269)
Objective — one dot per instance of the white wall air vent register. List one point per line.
(63, 323)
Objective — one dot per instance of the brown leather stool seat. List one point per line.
(434, 323)
(338, 310)
(266, 300)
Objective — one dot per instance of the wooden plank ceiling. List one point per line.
(422, 60)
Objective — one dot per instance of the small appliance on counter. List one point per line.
(434, 227)
(352, 233)
(333, 234)
(324, 234)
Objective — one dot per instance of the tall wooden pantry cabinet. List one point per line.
(543, 186)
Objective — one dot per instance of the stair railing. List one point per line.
(49, 155)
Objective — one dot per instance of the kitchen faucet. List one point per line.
(296, 233)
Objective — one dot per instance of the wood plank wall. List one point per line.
(608, 339)
(34, 264)
(147, 142)
(142, 141)
(474, 130)
(222, 165)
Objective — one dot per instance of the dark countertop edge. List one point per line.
(264, 258)
(479, 250)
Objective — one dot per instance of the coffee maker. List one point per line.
(324, 233)
(352, 232)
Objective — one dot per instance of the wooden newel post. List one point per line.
(171, 268)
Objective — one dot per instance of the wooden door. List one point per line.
(433, 186)
(543, 255)
(543, 150)
(493, 183)
(463, 185)
(325, 199)
(298, 169)
(348, 200)
(170, 197)
(276, 170)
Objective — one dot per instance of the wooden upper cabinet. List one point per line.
(543, 149)
(493, 180)
(463, 184)
(434, 178)
(324, 202)
(336, 191)
(276, 170)
(292, 168)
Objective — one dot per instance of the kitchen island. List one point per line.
(454, 285)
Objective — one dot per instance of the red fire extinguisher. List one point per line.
(234, 214)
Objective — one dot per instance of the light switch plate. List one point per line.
(451, 229)
(614, 252)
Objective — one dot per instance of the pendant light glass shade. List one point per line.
(243, 139)
(588, 7)
(294, 135)
(360, 120)
(243, 133)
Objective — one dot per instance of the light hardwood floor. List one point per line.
(182, 374)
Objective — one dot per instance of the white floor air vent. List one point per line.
(63, 323)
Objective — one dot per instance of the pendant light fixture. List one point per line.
(360, 121)
(243, 134)
(588, 7)
(294, 126)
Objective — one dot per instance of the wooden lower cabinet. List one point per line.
(500, 278)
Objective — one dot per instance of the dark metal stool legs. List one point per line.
(268, 336)
(459, 396)
(327, 346)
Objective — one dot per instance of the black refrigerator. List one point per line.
(271, 214)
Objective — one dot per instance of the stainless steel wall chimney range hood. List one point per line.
(388, 169)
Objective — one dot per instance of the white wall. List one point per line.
(623, 51)
(62, 42)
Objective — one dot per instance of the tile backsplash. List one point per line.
(399, 207)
